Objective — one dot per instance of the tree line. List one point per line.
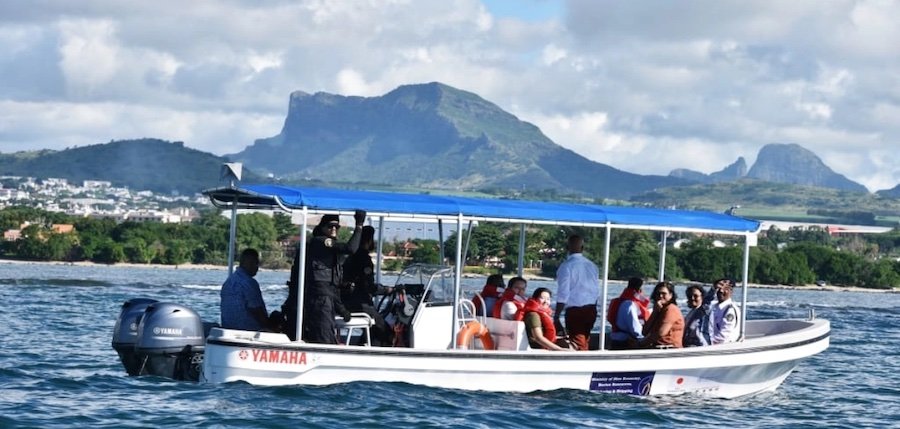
(781, 257)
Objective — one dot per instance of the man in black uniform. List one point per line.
(323, 277)
(359, 287)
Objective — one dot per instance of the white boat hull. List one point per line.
(760, 363)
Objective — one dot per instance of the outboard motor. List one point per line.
(170, 342)
(126, 332)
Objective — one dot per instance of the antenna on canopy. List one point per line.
(231, 171)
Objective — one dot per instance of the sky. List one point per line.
(643, 86)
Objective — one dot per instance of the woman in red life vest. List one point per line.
(512, 300)
(489, 294)
(665, 328)
(538, 318)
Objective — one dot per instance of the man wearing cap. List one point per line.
(724, 314)
(322, 280)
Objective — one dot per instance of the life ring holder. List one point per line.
(474, 329)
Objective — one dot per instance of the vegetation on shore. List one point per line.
(793, 257)
(780, 201)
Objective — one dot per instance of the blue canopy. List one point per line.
(450, 207)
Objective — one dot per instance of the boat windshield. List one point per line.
(437, 281)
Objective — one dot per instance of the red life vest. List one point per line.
(628, 294)
(509, 295)
(489, 291)
(546, 314)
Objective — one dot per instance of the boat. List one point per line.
(428, 301)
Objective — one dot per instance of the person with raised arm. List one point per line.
(322, 280)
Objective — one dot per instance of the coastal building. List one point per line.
(12, 234)
(96, 184)
(7, 194)
(62, 228)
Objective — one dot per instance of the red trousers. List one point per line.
(579, 322)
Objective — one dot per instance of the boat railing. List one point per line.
(466, 312)
(358, 321)
(474, 308)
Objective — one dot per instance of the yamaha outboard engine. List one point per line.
(126, 332)
(170, 342)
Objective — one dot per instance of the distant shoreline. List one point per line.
(119, 264)
(813, 287)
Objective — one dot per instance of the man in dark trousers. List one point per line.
(323, 278)
(359, 287)
(578, 281)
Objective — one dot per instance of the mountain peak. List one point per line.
(429, 135)
(791, 163)
(735, 171)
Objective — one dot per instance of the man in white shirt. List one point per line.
(579, 286)
(724, 314)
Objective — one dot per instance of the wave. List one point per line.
(263, 287)
(55, 282)
(200, 287)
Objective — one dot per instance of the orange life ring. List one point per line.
(474, 329)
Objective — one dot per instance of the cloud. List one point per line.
(644, 87)
(62, 125)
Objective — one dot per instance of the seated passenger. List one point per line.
(538, 318)
(696, 322)
(665, 328)
(491, 291)
(627, 314)
(512, 300)
(242, 304)
(723, 317)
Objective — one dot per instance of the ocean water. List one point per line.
(57, 369)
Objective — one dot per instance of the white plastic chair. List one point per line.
(357, 321)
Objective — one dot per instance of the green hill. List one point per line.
(768, 200)
(143, 164)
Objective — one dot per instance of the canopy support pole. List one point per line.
(521, 250)
(440, 238)
(605, 285)
(379, 255)
(465, 251)
(457, 281)
(662, 256)
(746, 280)
(232, 232)
(301, 274)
